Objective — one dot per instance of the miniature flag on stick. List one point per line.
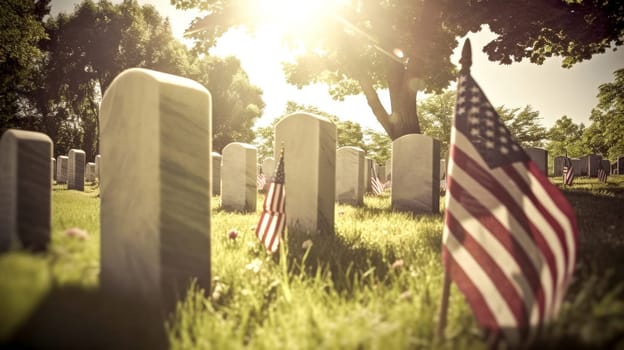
(376, 184)
(260, 180)
(273, 218)
(510, 236)
(602, 173)
(568, 172)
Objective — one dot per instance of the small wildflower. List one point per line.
(307, 244)
(254, 266)
(77, 232)
(398, 264)
(233, 234)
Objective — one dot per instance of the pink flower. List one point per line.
(398, 264)
(77, 232)
(233, 234)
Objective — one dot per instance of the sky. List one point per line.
(550, 89)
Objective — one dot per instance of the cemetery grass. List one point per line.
(375, 284)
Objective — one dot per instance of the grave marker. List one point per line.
(416, 174)
(90, 172)
(156, 140)
(350, 175)
(559, 162)
(540, 157)
(310, 166)
(62, 163)
(216, 173)
(76, 170)
(25, 190)
(238, 181)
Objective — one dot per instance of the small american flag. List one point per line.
(602, 173)
(273, 219)
(510, 236)
(568, 172)
(376, 184)
(261, 180)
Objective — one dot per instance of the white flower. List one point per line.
(307, 244)
(254, 266)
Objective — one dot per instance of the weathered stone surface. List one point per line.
(416, 174)
(539, 157)
(559, 163)
(310, 167)
(25, 190)
(62, 162)
(592, 164)
(578, 166)
(90, 172)
(368, 166)
(442, 168)
(268, 167)
(238, 180)
(216, 173)
(156, 141)
(606, 165)
(350, 175)
(76, 170)
(583, 165)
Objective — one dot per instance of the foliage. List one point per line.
(524, 125)
(21, 29)
(236, 103)
(405, 46)
(436, 118)
(605, 134)
(565, 139)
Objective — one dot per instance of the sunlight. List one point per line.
(301, 17)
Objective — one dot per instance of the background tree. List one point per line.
(436, 118)
(565, 138)
(405, 46)
(605, 134)
(524, 125)
(21, 29)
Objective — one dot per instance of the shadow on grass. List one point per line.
(78, 318)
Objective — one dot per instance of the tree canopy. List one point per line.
(362, 46)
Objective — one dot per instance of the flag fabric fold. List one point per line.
(510, 237)
(260, 180)
(568, 172)
(273, 218)
(376, 184)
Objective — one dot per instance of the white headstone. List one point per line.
(238, 177)
(90, 172)
(416, 174)
(156, 139)
(368, 165)
(539, 157)
(76, 170)
(310, 166)
(268, 167)
(350, 175)
(216, 173)
(98, 161)
(25, 190)
(53, 175)
(61, 169)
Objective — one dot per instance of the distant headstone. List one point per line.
(25, 190)
(606, 165)
(416, 174)
(53, 175)
(442, 168)
(350, 175)
(540, 157)
(558, 166)
(216, 173)
(238, 177)
(156, 141)
(583, 165)
(268, 167)
(592, 164)
(310, 167)
(368, 164)
(62, 162)
(76, 170)
(98, 162)
(90, 172)
(614, 168)
(578, 166)
(620, 165)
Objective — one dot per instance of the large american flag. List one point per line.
(510, 237)
(273, 218)
(568, 172)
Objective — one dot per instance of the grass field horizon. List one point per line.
(375, 284)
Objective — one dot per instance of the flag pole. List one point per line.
(466, 62)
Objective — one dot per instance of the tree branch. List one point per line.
(372, 98)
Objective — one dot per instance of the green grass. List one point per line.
(375, 284)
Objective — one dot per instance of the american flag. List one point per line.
(261, 180)
(568, 172)
(376, 184)
(509, 239)
(273, 218)
(602, 173)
